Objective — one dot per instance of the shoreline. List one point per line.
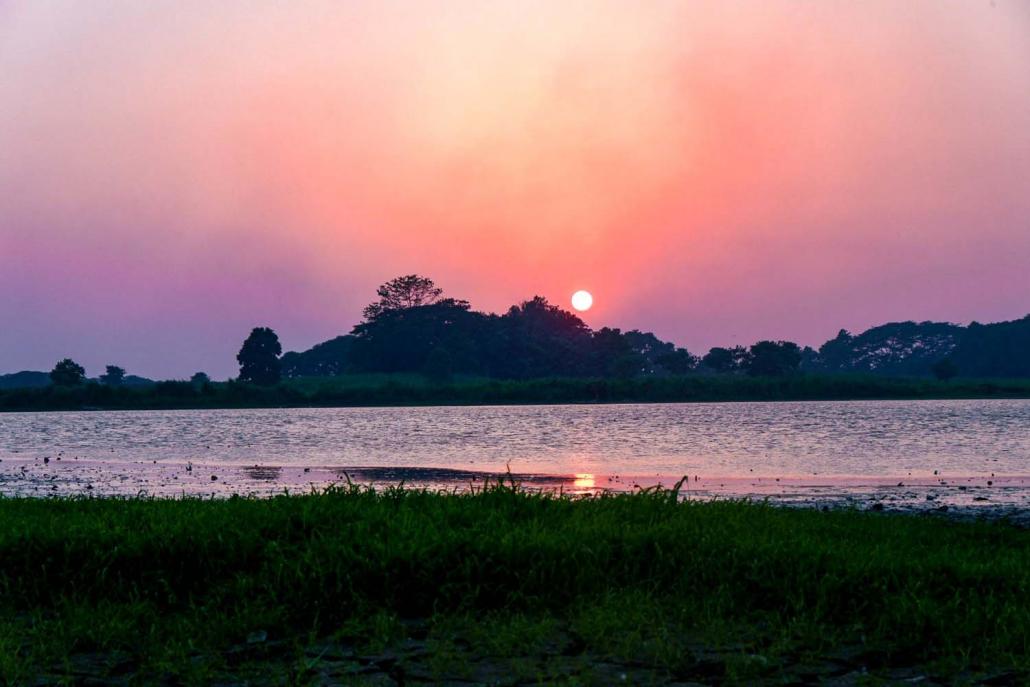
(960, 497)
(407, 391)
(501, 403)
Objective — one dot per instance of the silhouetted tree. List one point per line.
(327, 359)
(401, 339)
(1000, 349)
(259, 357)
(200, 379)
(773, 358)
(537, 339)
(659, 356)
(114, 376)
(677, 362)
(897, 348)
(944, 369)
(410, 291)
(68, 373)
(725, 359)
(613, 354)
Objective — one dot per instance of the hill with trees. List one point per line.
(413, 328)
(414, 332)
(999, 350)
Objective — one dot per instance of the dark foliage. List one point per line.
(725, 359)
(114, 376)
(326, 359)
(68, 373)
(944, 369)
(451, 389)
(533, 339)
(26, 379)
(409, 291)
(999, 350)
(259, 357)
(773, 359)
(401, 339)
(899, 348)
(169, 581)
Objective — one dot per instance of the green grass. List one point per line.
(406, 389)
(174, 583)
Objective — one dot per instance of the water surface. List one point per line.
(804, 443)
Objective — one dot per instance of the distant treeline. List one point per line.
(412, 329)
(384, 390)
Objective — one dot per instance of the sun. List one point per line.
(582, 300)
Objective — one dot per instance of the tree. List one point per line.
(200, 379)
(409, 291)
(678, 361)
(401, 340)
(944, 369)
(537, 339)
(327, 359)
(725, 359)
(773, 358)
(614, 355)
(68, 373)
(259, 357)
(114, 376)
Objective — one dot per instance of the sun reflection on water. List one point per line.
(583, 481)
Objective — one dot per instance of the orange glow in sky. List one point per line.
(724, 171)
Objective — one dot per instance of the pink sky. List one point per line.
(175, 173)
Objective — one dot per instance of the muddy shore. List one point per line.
(962, 497)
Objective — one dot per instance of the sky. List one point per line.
(174, 173)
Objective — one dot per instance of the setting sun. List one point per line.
(582, 300)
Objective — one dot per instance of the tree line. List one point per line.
(412, 327)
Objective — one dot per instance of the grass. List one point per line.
(384, 390)
(175, 584)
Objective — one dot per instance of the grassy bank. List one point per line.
(392, 390)
(190, 590)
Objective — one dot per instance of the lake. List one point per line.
(724, 448)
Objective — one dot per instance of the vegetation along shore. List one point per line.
(500, 586)
(417, 347)
(410, 389)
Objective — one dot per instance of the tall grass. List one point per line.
(373, 390)
(156, 576)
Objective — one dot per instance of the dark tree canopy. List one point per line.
(725, 359)
(200, 379)
(439, 366)
(409, 291)
(327, 359)
(113, 376)
(773, 358)
(660, 357)
(68, 373)
(259, 357)
(944, 369)
(537, 339)
(413, 328)
(401, 339)
(678, 361)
